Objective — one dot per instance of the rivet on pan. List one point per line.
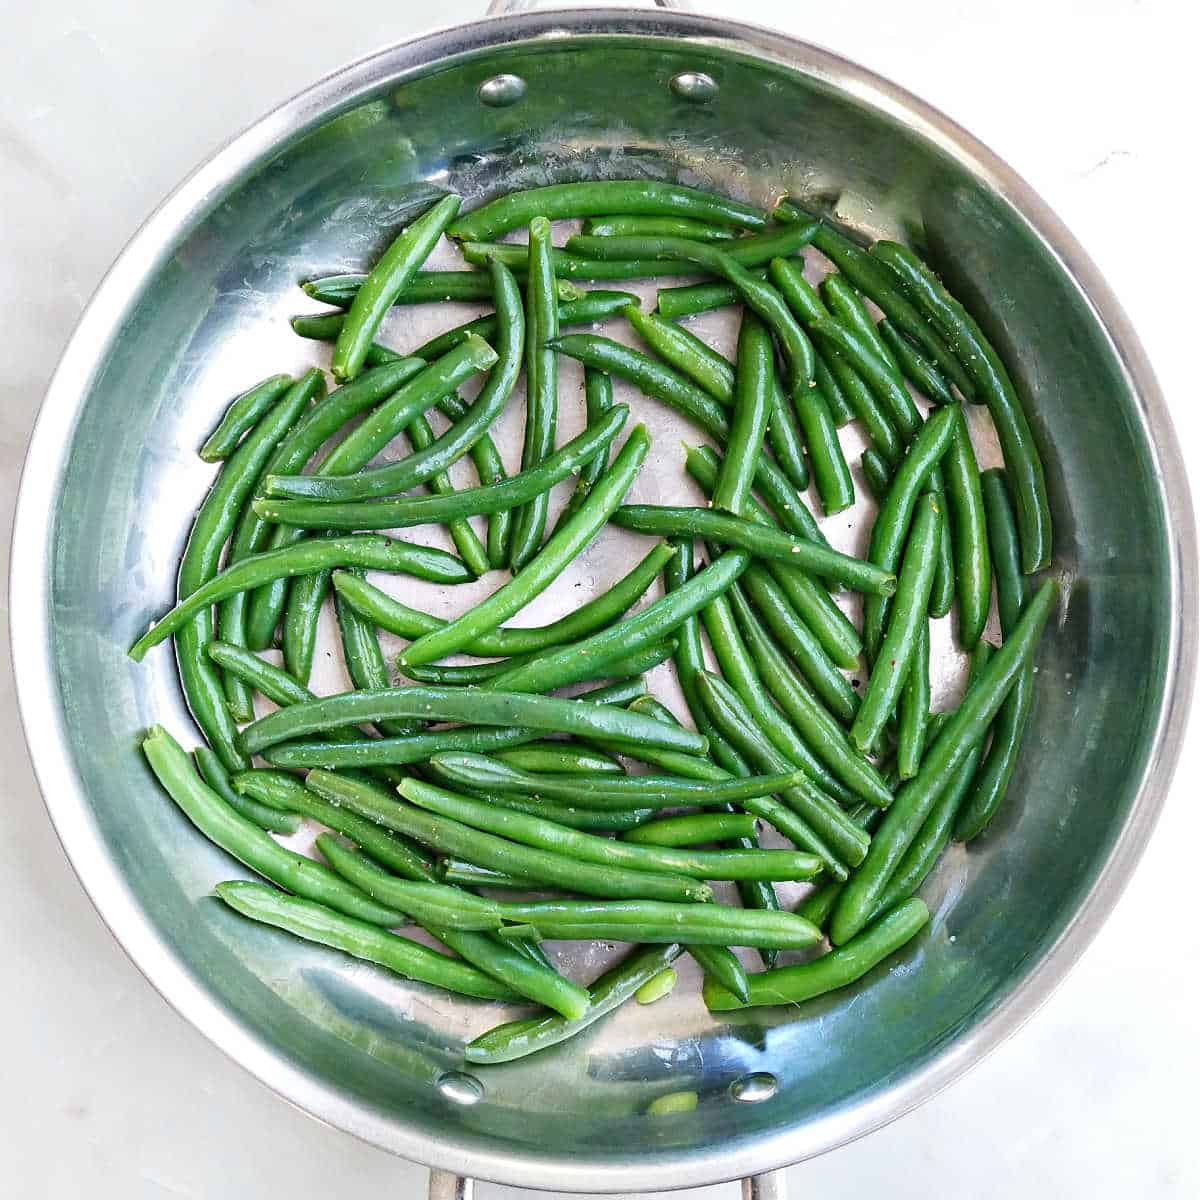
(502, 90)
(750, 1089)
(695, 86)
(459, 1088)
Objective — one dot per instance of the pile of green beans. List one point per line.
(482, 804)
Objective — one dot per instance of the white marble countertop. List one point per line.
(105, 107)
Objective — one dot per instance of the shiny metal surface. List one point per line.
(197, 307)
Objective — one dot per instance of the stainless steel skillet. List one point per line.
(200, 297)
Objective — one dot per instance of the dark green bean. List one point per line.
(751, 409)
(838, 969)
(915, 367)
(456, 704)
(646, 627)
(605, 790)
(637, 661)
(312, 431)
(983, 364)
(426, 287)
(912, 716)
(560, 758)
(831, 389)
(487, 850)
(757, 539)
(818, 905)
(693, 829)
(586, 848)
(323, 512)
(465, 874)
(246, 842)
(388, 613)
(400, 751)
(899, 645)
(945, 755)
(895, 513)
(598, 402)
(862, 402)
(316, 923)
(288, 793)
(992, 784)
(685, 300)
(265, 816)
(518, 1039)
(541, 389)
(573, 266)
(818, 729)
(720, 963)
(361, 550)
(215, 523)
(637, 226)
(633, 197)
(242, 415)
(972, 561)
(545, 566)
(388, 278)
(589, 820)
(832, 475)
(877, 473)
(849, 311)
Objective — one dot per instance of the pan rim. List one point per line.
(44, 723)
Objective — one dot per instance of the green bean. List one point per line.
(637, 226)
(573, 266)
(545, 566)
(985, 367)
(992, 784)
(653, 920)
(838, 969)
(878, 284)
(818, 905)
(246, 842)
(426, 287)
(389, 277)
(265, 816)
(898, 648)
(598, 612)
(288, 793)
(250, 535)
(934, 836)
(215, 522)
(847, 308)
(311, 432)
(751, 409)
(792, 633)
(945, 755)
(972, 561)
(364, 661)
(361, 550)
(912, 716)
(589, 820)
(640, 197)
(586, 848)
(693, 829)
(914, 366)
(877, 473)
(465, 874)
(399, 751)
(647, 626)
(604, 790)
(895, 513)
(814, 724)
(720, 963)
(757, 539)
(862, 401)
(242, 415)
(685, 300)
(637, 661)
(454, 704)
(560, 758)
(598, 401)
(321, 511)
(727, 262)
(830, 834)
(541, 389)
(832, 475)
(663, 984)
(518, 1039)
(485, 849)
(316, 923)
(831, 389)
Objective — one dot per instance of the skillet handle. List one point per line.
(501, 8)
(445, 1185)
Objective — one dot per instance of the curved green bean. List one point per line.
(265, 816)
(720, 963)
(567, 541)
(242, 415)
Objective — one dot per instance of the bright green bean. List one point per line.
(751, 409)
(589, 820)
(834, 483)
(560, 758)
(693, 829)
(242, 415)
(831, 389)
(637, 226)
(663, 984)
(912, 718)
(265, 816)
(972, 561)
(426, 287)
(598, 402)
